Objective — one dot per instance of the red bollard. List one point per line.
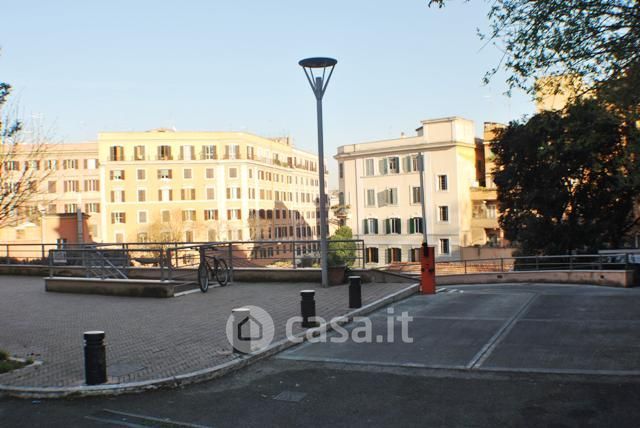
(428, 270)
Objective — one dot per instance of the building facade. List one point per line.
(380, 183)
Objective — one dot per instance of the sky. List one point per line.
(86, 67)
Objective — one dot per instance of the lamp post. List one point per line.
(319, 84)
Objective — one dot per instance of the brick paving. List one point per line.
(147, 338)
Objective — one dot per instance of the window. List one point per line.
(165, 215)
(188, 215)
(188, 235)
(368, 167)
(142, 217)
(394, 165)
(165, 174)
(209, 152)
(116, 174)
(443, 183)
(92, 185)
(142, 174)
(234, 215)
(117, 196)
(233, 193)
(165, 195)
(51, 209)
(211, 193)
(444, 246)
(391, 197)
(186, 173)
(71, 186)
(211, 214)
(92, 207)
(118, 218)
(250, 153)
(212, 235)
(371, 255)
(415, 225)
(143, 237)
(370, 226)
(187, 194)
(491, 210)
(414, 254)
(119, 238)
(70, 164)
(443, 213)
(51, 164)
(33, 164)
(233, 172)
(210, 173)
(142, 195)
(187, 153)
(51, 186)
(138, 153)
(116, 153)
(371, 197)
(416, 195)
(341, 170)
(394, 255)
(232, 152)
(164, 153)
(392, 225)
(91, 164)
(70, 208)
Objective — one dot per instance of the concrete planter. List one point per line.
(337, 274)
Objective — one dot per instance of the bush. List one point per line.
(342, 253)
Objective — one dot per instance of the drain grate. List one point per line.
(291, 396)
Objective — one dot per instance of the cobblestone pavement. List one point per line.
(146, 338)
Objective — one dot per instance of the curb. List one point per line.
(208, 373)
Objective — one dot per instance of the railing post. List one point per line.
(42, 252)
(501, 264)
(7, 251)
(161, 264)
(600, 261)
(230, 252)
(570, 262)
(465, 266)
(168, 263)
(50, 264)
(175, 248)
(293, 254)
(537, 267)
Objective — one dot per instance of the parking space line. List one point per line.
(491, 344)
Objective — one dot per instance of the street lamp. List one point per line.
(318, 86)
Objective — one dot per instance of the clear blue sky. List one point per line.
(87, 67)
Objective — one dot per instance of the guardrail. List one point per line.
(176, 260)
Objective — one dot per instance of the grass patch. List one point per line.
(6, 364)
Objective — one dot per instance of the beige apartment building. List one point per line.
(67, 178)
(381, 184)
(205, 186)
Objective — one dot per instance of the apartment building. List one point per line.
(380, 183)
(67, 179)
(205, 186)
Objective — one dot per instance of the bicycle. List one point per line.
(219, 271)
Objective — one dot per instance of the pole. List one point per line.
(428, 264)
(323, 215)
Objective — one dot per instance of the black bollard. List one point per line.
(95, 359)
(355, 292)
(308, 308)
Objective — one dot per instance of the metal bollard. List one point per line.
(95, 359)
(355, 292)
(240, 343)
(308, 308)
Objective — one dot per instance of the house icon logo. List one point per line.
(249, 329)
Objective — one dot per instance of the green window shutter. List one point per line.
(411, 226)
(386, 225)
(366, 226)
(399, 224)
(375, 226)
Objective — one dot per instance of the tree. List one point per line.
(596, 40)
(342, 253)
(568, 181)
(21, 166)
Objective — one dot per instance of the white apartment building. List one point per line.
(380, 183)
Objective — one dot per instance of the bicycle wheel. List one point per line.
(203, 276)
(222, 272)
